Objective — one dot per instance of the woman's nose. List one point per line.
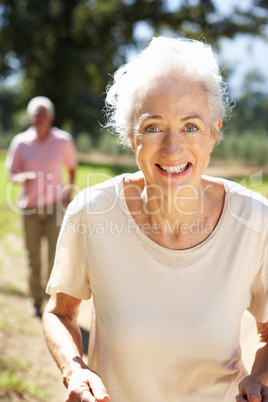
(172, 145)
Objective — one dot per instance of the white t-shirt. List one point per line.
(167, 321)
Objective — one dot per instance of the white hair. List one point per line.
(182, 58)
(40, 101)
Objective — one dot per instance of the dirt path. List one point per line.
(21, 336)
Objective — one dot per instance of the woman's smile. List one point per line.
(173, 137)
(173, 170)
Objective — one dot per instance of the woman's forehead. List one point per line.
(170, 93)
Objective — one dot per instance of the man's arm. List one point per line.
(254, 388)
(64, 341)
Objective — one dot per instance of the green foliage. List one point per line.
(250, 114)
(248, 147)
(83, 142)
(7, 108)
(66, 49)
(109, 144)
(5, 139)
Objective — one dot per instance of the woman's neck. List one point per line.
(186, 203)
(178, 220)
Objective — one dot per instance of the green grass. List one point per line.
(8, 219)
(257, 183)
(11, 288)
(265, 186)
(10, 309)
(15, 381)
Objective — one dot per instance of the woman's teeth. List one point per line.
(174, 169)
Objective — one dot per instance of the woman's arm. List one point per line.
(254, 388)
(64, 342)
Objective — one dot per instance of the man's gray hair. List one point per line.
(40, 101)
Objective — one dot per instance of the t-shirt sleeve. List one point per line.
(70, 273)
(259, 291)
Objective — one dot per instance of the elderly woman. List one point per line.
(171, 257)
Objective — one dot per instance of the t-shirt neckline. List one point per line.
(150, 242)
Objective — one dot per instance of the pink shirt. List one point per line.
(44, 157)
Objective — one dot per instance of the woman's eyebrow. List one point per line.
(192, 116)
(148, 116)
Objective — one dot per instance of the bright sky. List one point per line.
(242, 54)
(226, 5)
(245, 54)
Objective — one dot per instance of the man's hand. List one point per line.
(66, 197)
(86, 386)
(23, 177)
(252, 390)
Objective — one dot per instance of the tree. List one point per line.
(66, 49)
(250, 113)
(6, 108)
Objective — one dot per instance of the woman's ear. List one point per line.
(132, 141)
(219, 124)
(214, 134)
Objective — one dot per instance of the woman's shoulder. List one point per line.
(100, 197)
(133, 183)
(243, 205)
(213, 189)
(238, 189)
(248, 193)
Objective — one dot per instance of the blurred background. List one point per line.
(67, 50)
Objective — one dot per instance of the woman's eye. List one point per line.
(191, 128)
(151, 129)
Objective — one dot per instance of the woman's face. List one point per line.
(173, 137)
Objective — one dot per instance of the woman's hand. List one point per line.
(85, 386)
(252, 390)
(64, 341)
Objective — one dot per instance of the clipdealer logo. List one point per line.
(111, 228)
(45, 186)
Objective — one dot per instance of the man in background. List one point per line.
(35, 160)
